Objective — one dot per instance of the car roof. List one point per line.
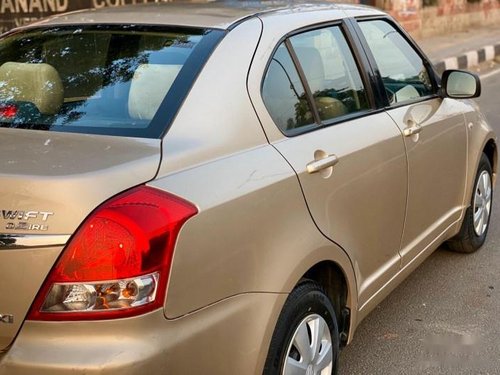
(215, 14)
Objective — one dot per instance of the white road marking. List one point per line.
(489, 74)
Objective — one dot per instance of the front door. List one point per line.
(435, 138)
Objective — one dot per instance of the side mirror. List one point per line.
(459, 84)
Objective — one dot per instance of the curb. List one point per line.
(468, 59)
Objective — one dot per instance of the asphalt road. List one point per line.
(445, 318)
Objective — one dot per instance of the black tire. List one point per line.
(467, 240)
(308, 299)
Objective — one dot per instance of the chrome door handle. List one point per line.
(412, 130)
(318, 165)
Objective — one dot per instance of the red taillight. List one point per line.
(8, 111)
(117, 263)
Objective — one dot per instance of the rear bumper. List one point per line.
(229, 337)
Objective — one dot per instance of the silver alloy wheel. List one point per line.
(482, 203)
(310, 351)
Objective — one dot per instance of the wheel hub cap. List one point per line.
(482, 203)
(310, 351)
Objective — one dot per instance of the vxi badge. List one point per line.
(6, 318)
(23, 220)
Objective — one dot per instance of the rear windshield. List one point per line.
(123, 80)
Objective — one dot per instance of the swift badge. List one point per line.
(24, 220)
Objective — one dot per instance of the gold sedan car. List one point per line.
(223, 189)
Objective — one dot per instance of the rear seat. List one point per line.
(39, 84)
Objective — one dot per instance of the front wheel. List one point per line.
(306, 338)
(477, 217)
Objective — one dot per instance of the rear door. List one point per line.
(435, 136)
(349, 158)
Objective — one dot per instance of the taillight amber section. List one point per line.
(117, 263)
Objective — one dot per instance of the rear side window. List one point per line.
(331, 72)
(403, 71)
(104, 80)
(312, 80)
(284, 94)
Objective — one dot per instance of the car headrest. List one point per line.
(312, 64)
(406, 93)
(149, 87)
(39, 84)
(330, 108)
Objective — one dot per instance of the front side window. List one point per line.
(99, 79)
(403, 71)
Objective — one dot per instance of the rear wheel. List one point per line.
(306, 339)
(477, 217)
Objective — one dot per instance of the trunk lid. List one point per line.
(50, 182)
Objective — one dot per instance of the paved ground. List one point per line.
(445, 318)
(442, 46)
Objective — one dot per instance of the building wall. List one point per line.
(458, 16)
(443, 16)
(14, 13)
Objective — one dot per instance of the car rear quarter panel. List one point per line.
(216, 118)
(253, 232)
